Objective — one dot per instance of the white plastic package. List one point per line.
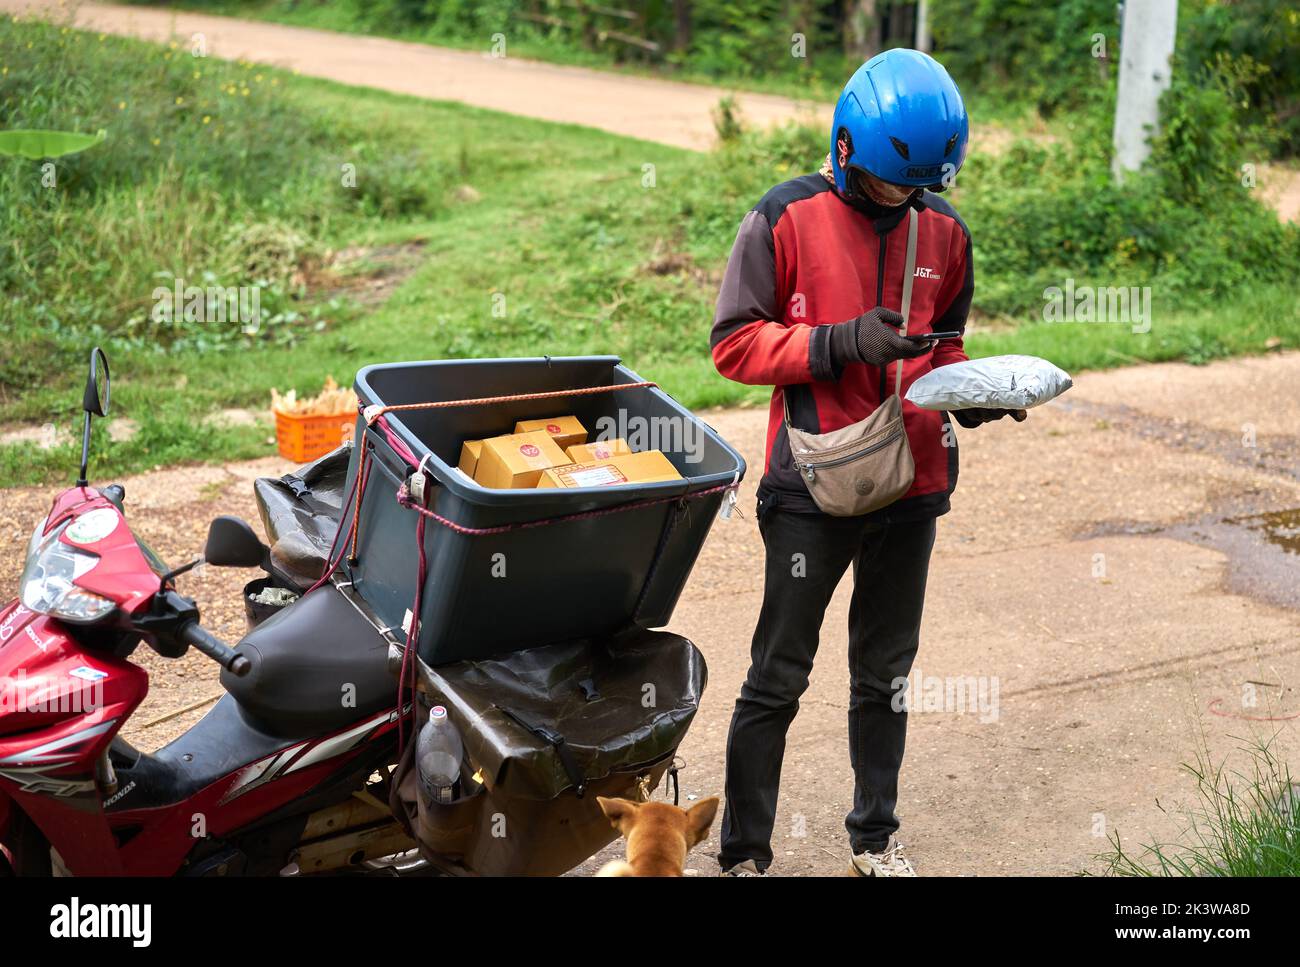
(1001, 382)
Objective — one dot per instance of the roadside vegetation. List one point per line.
(233, 175)
(1244, 822)
(377, 227)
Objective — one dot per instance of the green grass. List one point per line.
(1257, 321)
(587, 258)
(1243, 823)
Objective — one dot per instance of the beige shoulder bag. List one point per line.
(867, 465)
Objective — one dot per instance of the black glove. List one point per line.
(874, 338)
(974, 417)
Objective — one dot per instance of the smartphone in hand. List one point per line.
(929, 336)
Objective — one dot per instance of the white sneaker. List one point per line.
(888, 862)
(747, 868)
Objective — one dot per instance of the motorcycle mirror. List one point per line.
(95, 402)
(96, 398)
(232, 543)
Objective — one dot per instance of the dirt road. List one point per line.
(1101, 569)
(653, 110)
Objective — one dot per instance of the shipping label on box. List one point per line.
(566, 431)
(595, 475)
(599, 450)
(646, 467)
(517, 460)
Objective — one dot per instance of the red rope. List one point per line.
(404, 498)
(374, 413)
(394, 441)
(1216, 708)
(363, 474)
(332, 561)
(406, 679)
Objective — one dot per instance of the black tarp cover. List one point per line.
(300, 512)
(619, 703)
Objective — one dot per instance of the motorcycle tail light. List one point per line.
(47, 581)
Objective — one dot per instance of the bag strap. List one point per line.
(556, 741)
(909, 271)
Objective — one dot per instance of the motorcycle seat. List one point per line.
(317, 665)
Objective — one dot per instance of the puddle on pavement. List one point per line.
(1263, 552)
(1281, 528)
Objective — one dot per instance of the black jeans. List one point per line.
(807, 555)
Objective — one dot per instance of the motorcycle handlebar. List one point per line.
(216, 649)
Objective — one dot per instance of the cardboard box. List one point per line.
(517, 460)
(645, 467)
(469, 454)
(600, 450)
(566, 431)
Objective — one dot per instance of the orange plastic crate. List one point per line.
(305, 438)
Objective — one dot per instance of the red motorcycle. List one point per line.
(278, 777)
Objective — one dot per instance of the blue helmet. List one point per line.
(902, 119)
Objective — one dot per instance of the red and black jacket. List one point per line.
(803, 259)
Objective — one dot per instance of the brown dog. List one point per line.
(658, 835)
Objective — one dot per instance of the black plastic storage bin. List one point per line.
(486, 594)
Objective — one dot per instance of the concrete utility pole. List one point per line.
(923, 26)
(1146, 44)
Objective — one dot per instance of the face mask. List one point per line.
(882, 192)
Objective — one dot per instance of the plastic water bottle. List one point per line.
(438, 755)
